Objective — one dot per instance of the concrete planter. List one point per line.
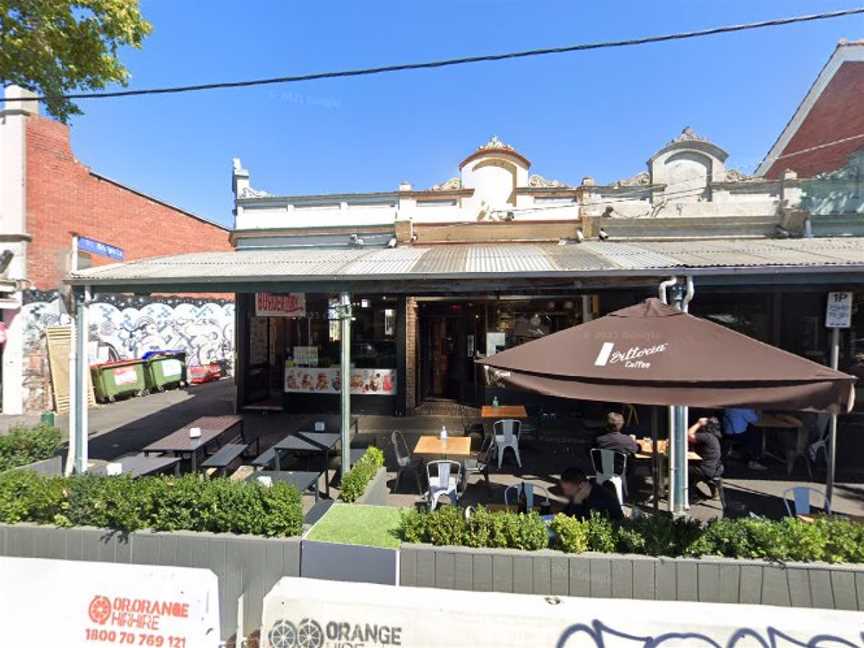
(53, 466)
(351, 563)
(376, 490)
(248, 565)
(714, 580)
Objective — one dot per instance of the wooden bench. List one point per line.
(266, 459)
(225, 456)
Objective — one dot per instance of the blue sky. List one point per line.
(600, 113)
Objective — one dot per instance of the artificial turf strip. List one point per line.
(357, 524)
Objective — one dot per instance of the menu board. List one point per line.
(364, 382)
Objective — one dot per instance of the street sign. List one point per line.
(102, 249)
(75, 603)
(838, 313)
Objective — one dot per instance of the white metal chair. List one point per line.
(610, 466)
(404, 460)
(507, 432)
(444, 477)
(528, 488)
(820, 444)
(801, 500)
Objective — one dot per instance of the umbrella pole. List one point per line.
(655, 459)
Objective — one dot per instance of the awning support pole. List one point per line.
(679, 488)
(345, 379)
(79, 381)
(832, 432)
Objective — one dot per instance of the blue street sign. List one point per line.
(103, 249)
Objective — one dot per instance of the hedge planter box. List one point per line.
(708, 580)
(376, 491)
(248, 565)
(355, 543)
(52, 467)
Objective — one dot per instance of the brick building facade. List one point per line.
(48, 198)
(65, 198)
(827, 127)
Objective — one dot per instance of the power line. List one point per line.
(776, 22)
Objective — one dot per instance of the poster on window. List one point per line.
(281, 305)
(364, 382)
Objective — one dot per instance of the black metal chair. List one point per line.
(404, 461)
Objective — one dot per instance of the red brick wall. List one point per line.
(836, 115)
(65, 198)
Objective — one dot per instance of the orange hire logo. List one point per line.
(632, 358)
(128, 612)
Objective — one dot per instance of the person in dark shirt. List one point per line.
(611, 437)
(584, 497)
(704, 438)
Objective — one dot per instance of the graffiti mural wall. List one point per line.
(125, 327)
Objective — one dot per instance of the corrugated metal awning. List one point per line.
(475, 261)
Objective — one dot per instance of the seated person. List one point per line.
(704, 438)
(584, 496)
(611, 437)
(737, 427)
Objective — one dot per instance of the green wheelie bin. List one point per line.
(113, 380)
(165, 370)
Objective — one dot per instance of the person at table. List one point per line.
(737, 426)
(611, 436)
(585, 497)
(704, 439)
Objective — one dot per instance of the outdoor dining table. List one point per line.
(768, 421)
(213, 430)
(299, 479)
(309, 442)
(142, 465)
(503, 412)
(658, 460)
(451, 447)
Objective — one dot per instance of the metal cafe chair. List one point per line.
(507, 433)
(404, 461)
(443, 477)
(800, 501)
(610, 466)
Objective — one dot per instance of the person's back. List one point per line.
(707, 445)
(586, 497)
(616, 441)
(612, 438)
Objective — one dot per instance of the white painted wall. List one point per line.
(684, 167)
(13, 220)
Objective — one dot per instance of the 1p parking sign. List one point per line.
(838, 313)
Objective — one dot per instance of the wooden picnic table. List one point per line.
(142, 465)
(301, 480)
(311, 442)
(213, 430)
(503, 412)
(433, 446)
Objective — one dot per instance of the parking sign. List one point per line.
(838, 314)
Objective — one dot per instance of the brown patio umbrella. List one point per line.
(654, 354)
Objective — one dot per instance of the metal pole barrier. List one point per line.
(832, 434)
(345, 379)
(678, 446)
(80, 380)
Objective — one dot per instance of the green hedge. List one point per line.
(832, 540)
(24, 445)
(361, 473)
(158, 503)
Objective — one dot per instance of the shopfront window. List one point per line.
(518, 321)
(311, 346)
